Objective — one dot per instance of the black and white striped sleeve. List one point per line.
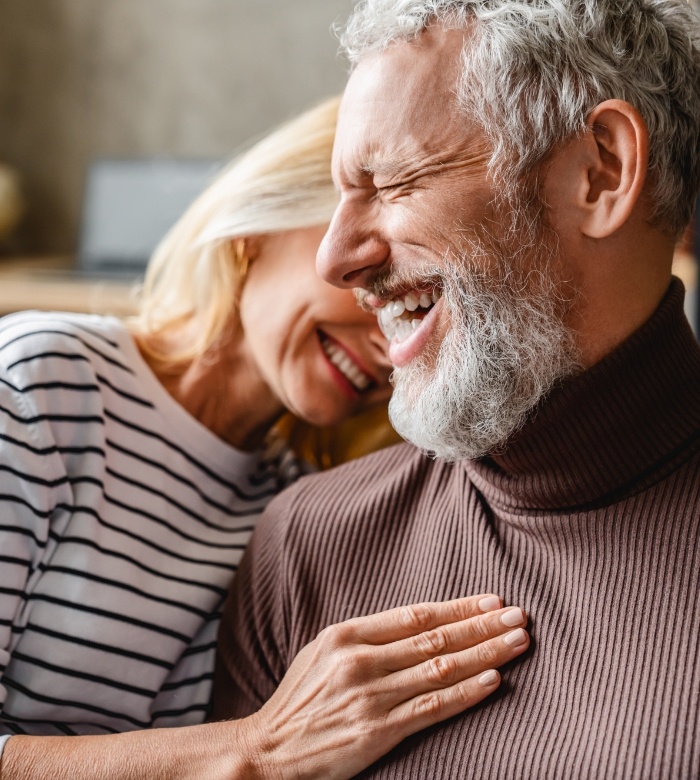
(34, 493)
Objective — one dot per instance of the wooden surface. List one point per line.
(50, 284)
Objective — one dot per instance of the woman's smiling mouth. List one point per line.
(346, 364)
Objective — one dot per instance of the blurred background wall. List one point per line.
(196, 78)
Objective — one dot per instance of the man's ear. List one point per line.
(616, 166)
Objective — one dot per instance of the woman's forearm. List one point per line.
(348, 698)
(214, 751)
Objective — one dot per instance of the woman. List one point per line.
(136, 460)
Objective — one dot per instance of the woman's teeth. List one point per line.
(397, 319)
(347, 367)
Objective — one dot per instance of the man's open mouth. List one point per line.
(401, 316)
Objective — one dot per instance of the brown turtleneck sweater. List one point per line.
(590, 520)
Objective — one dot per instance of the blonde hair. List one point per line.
(196, 273)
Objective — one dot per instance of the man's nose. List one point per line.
(352, 251)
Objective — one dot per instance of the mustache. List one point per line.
(392, 283)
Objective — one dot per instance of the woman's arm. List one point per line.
(197, 752)
(348, 698)
(33, 483)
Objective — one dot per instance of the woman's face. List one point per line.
(321, 356)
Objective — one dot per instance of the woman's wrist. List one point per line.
(247, 750)
(214, 751)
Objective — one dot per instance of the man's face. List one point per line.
(412, 172)
(463, 284)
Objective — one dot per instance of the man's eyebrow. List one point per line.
(373, 166)
(377, 165)
(389, 168)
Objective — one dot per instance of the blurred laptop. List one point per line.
(129, 205)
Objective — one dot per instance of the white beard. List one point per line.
(506, 347)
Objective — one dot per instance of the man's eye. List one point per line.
(388, 189)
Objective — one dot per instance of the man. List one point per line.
(513, 177)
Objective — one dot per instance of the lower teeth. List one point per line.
(405, 328)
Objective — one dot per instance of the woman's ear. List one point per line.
(245, 251)
(252, 246)
(617, 159)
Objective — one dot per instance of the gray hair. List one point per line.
(543, 65)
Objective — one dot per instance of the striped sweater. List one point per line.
(122, 521)
(589, 519)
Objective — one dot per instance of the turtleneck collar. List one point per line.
(611, 431)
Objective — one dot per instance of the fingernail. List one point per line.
(489, 678)
(513, 617)
(515, 638)
(489, 603)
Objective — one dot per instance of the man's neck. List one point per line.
(613, 428)
(619, 284)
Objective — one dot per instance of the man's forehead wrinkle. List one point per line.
(400, 117)
(430, 64)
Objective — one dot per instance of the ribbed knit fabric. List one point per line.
(590, 520)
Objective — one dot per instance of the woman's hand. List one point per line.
(364, 685)
(348, 698)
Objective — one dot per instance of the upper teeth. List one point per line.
(342, 361)
(392, 320)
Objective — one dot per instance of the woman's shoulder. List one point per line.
(60, 343)
(59, 328)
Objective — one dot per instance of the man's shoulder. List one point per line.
(382, 472)
(386, 460)
(376, 490)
